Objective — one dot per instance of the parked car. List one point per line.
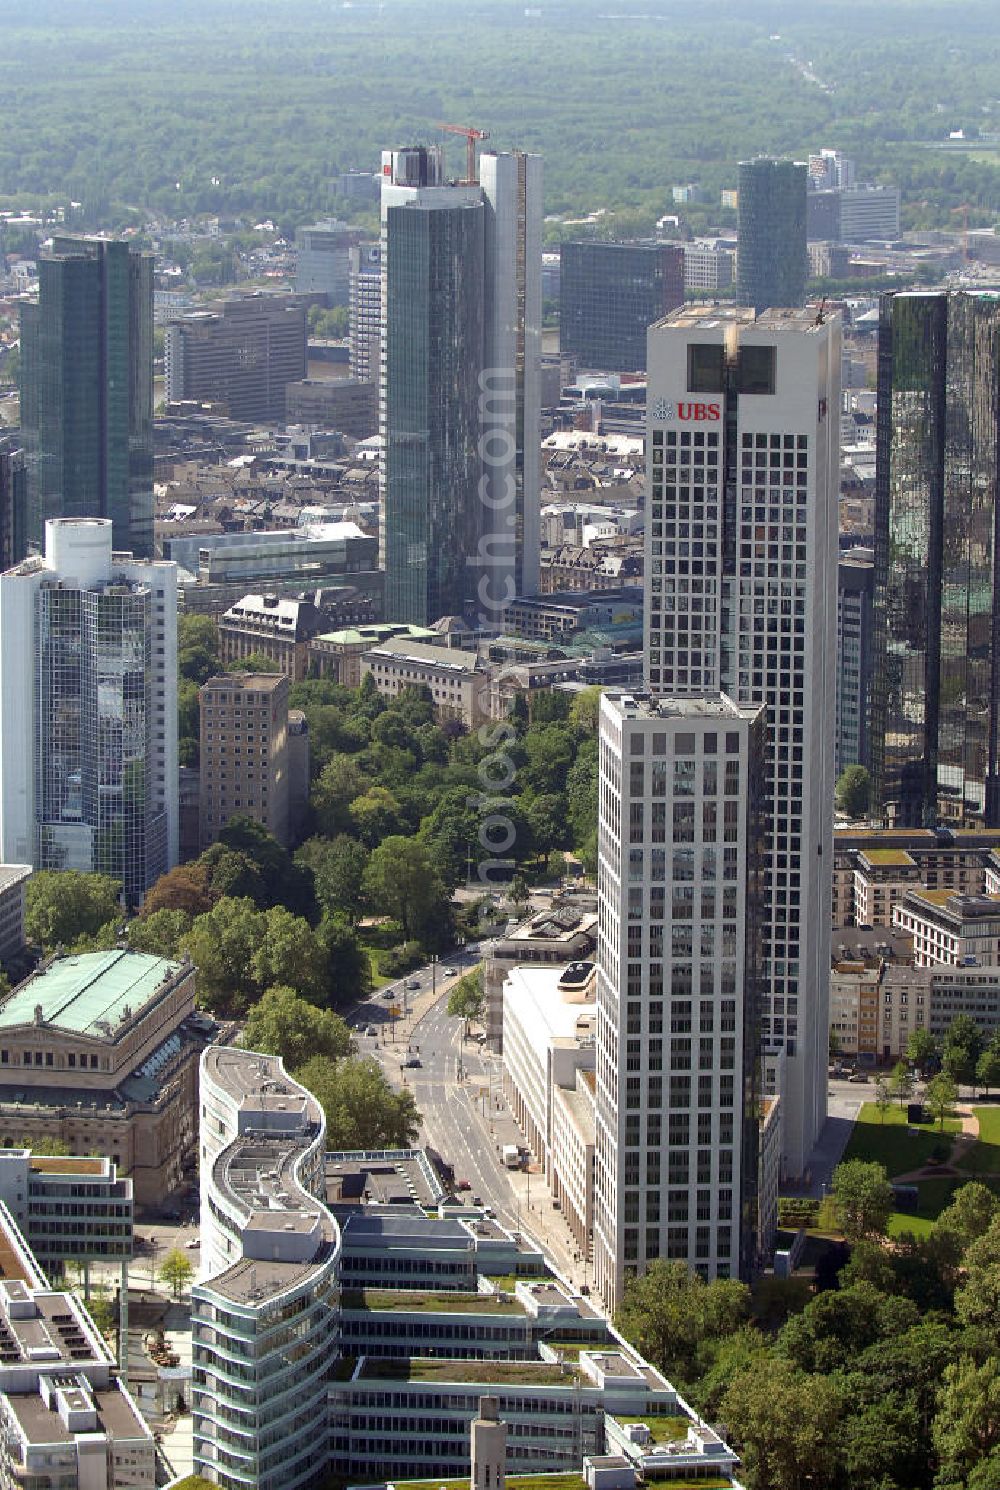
(858, 1076)
(413, 1064)
(371, 1029)
(463, 1185)
(477, 1200)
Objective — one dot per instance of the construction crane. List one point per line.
(471, 136)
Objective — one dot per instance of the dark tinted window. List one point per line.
(757, 366)
(705, 367)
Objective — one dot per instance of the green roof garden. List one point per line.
(489, 1373)
(430, 1302)
(90, 994)
(567, 1481)
(663, 1428)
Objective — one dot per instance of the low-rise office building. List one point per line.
(13, 890)
(345, 404)
(457, 681)
(66, 1420)
(272, 627)
(959, 930)
(874, 867)
(70, 1208)
(566, 932)
(337, 654)
(98, 1051)
(549, 1022)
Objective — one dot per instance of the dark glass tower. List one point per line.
(433, 257)
(937, 690)
(610, 294)
(87, 390)
(771, 233)
(13, 503)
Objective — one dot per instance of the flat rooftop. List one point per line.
(638, 705)
(546, 1016)
(957, 908)
(40, 1424)
(489, 1373)
(406, 1180)
(252, 1281)
(94, 993)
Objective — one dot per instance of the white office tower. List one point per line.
(741, 595)
(512, 377)
(677, 1091)
(88, 730)
(459, 385)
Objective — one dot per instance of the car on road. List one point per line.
(477, 1200)
(449, 972)
(413, 1064)
(389, 993)
(371, 1029)
(463, 1185)
(412, 983)
(858, 1076)
(192, 1244)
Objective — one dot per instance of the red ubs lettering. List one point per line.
(698, 412)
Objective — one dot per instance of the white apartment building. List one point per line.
(88, 734)
(457, 681)
(679, 826)
(365, 304)
(959, 930)
(741, 585)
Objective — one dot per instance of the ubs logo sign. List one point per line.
(687, 413)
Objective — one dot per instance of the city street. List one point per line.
(458, 1089)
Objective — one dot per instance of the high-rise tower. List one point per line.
(715, 810)
(936, 708)
(771, 233)
(88, 734)
(87, 389)
(459, 385)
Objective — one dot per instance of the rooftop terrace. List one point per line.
(489, 1373)
(432, 1302)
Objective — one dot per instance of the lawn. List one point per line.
(372, 941)
(894, 1143)
(934, 1195)
(490, 1373)
(663, 1429)
(984, 1156)
(431, 1302)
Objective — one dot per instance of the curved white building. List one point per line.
(264, 1314)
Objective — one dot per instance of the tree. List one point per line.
(449, 832)
(854, 791)
(64, 905)
(340, 782)
(362, 1110)
(988, 1067)
(286, 883)
(941, 1096)
(966, 1431)
(921, 1048)
(401, 883)
(338, 866)
(785, 1424)
(348, 969)
(862, 1196)
(971, 1213)
(837, 1325)
(467, 999)
(221, 944)
(585, 710)
(176, 1271)
(290, 954)
(835, 1046)
(670, 1313)
(185, 888)
(197, 647)
(961, 1050)
(375, 815)
(43, 1144)
(283, 1023)
(901, 1085)
(883, 1097)
(161, 934)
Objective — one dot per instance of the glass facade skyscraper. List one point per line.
(610, 294)
(88, 737)
(433, 357)
(937, 693)
(771, 233)
(87, 390)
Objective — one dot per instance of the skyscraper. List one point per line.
(323, 259)
(609, 296)
(87, 389)
(242, 355)
(459, 385)
(678, 1039)
(771, 233)
(13, 502)
(936, 715)
(741, 583)
(365, 305)
(88, 734)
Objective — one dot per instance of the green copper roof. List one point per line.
(89, 994)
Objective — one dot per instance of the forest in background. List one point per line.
(253, 108)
